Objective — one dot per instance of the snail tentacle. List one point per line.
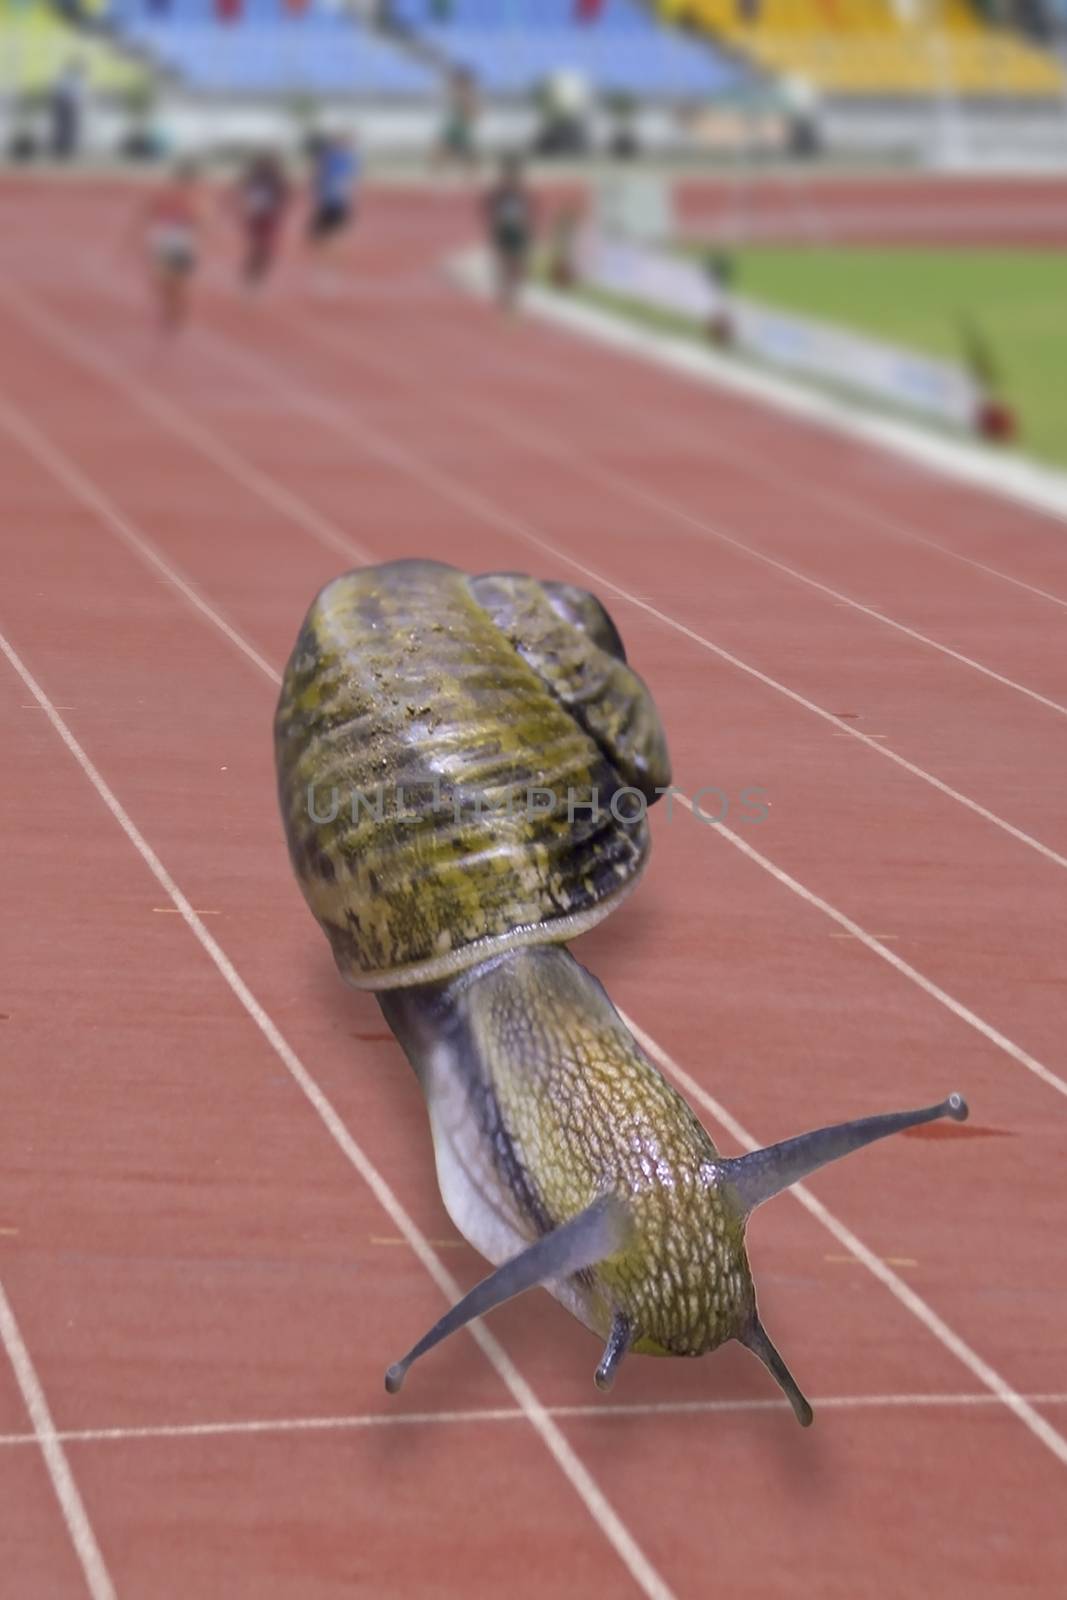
(755, 1338)
(762, 1174)
(599, 1231)
(620, 1339)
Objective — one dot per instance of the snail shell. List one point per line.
(476, 736)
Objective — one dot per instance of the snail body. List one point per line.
(453, 755)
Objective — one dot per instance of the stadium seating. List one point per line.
(512, 45)
(268, 49)
(867, 47)
(35, 46)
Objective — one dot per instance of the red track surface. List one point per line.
(184, 1239)
(894, 209)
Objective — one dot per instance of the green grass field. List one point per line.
(917, 297)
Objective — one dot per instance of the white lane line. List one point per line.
(581, 1480)
(135, 540)
(874, 945)
(82, 488)
(454, 490)
(987, 1376)
(605, 1411)
(44, 1435)
(267, 488)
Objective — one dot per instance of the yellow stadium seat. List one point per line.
(868, 47)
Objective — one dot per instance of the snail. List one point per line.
(464, 766)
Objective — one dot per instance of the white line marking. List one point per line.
(581, 1480)
(986, 1375)
(171, 911)
(44, 1434)
(267, 488)
(82, 488)
(528, 434)
(606, 1411)
(891, 1261)
(958, 1009)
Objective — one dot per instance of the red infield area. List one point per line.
(219, 1221)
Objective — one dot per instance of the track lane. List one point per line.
(544, 1337)
(919, 1092)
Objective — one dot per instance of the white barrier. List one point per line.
(652, 276)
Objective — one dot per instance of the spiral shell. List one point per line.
(452, 754)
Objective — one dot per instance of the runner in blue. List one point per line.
(335, 179)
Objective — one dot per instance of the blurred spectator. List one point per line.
(565, 103)
(67, 102)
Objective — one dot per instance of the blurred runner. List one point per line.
(260, 201)
(335, 176)
(456, 145)
(170, 223)
(510, 218)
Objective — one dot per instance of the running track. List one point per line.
(218, 1217)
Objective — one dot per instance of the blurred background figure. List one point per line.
(335, 174)
(170, 225)
(260, 201)
(66, 106)
(510, 219)
(457, 146)
(565, 103)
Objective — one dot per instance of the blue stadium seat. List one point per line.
(269, 50)
(510, 45)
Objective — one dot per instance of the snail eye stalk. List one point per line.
(762, 1174)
